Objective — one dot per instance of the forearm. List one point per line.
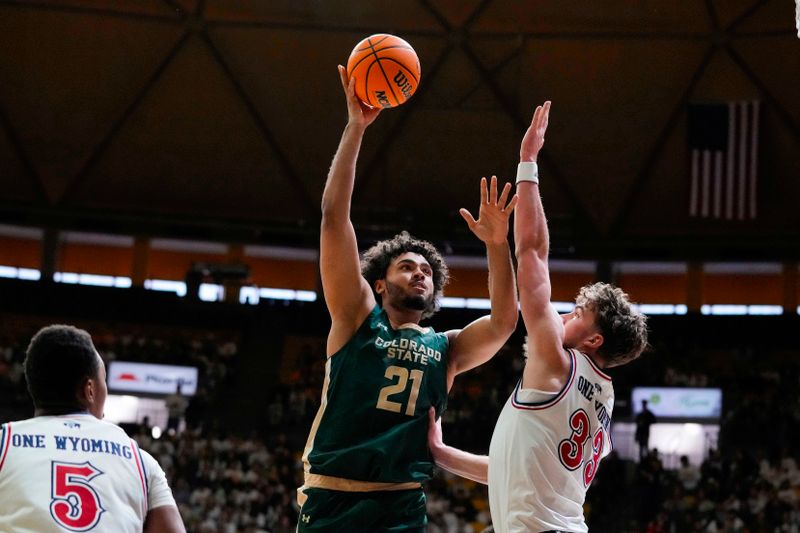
(338, 191)
(461, 463)
(530, 224)
(164, 519)
(533, 247)
(502, 287)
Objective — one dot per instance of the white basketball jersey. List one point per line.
(75, 473)
(544, 455)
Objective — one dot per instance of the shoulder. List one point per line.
(450, 336)
(37, 424)
(27, 422)
(342, 335)
(374, 320)
(376, 315)
(585, 361)
(147, 458)
(152, 469)
(109, 427)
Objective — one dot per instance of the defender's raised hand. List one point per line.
(492, 224)
(357, 111)
(533, 140)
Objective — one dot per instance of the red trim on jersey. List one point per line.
(140, 468)
(5, 446)
(549, 403)
(596, 368)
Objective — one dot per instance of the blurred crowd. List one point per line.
(232, 483)
(212, 353)
(229, 484)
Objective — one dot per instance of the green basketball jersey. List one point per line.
(373, 421)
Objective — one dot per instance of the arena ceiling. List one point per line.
(218, 119)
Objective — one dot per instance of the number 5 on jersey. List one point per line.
(75, 504)
(402, 375)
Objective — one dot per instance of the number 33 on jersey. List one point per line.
(560, 438)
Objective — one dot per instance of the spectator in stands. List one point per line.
(688, 474)
(176, 408)
(644, 420)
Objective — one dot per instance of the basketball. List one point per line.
(386, 69)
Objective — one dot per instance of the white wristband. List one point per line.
(528, 171)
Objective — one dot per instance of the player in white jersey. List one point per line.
(554, 429)
(67, 470)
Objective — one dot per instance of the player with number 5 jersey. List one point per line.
(366, 454)
(554, 429)
(67, 470)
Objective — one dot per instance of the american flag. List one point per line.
(723, 143)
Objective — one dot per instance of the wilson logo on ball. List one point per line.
(402, 83)
(386, 69)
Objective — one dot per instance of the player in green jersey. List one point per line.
(367, 454)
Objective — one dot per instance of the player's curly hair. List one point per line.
(58, 362)
(624, 329)
(376, 260)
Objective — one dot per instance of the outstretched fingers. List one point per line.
(466, 215)
(349, 86)
(536, 114)
(511, 205)
(504, 195)
(343, 77)
(541, 116)
(493, 191)
(545, 115)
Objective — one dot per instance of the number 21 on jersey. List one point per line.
(402, 374)
(571, 450)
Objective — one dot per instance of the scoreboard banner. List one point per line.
(146, 378)
(679, 402)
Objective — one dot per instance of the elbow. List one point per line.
(526, 249)
(326, 208)
(506, 324)
(331, 217)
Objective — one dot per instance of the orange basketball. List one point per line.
(386, 70)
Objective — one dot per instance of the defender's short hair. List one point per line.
(58, 362)
(376, 261)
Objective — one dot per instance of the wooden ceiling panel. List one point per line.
(427, 172)
(602, 124)
(65, 79)
(377, 16)
(134, 8)
(723, 81)
(771, 16)
(191, 148)
(577, 18)
(775, 64)
(16, 184)
(227, 113)
(734, 11)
